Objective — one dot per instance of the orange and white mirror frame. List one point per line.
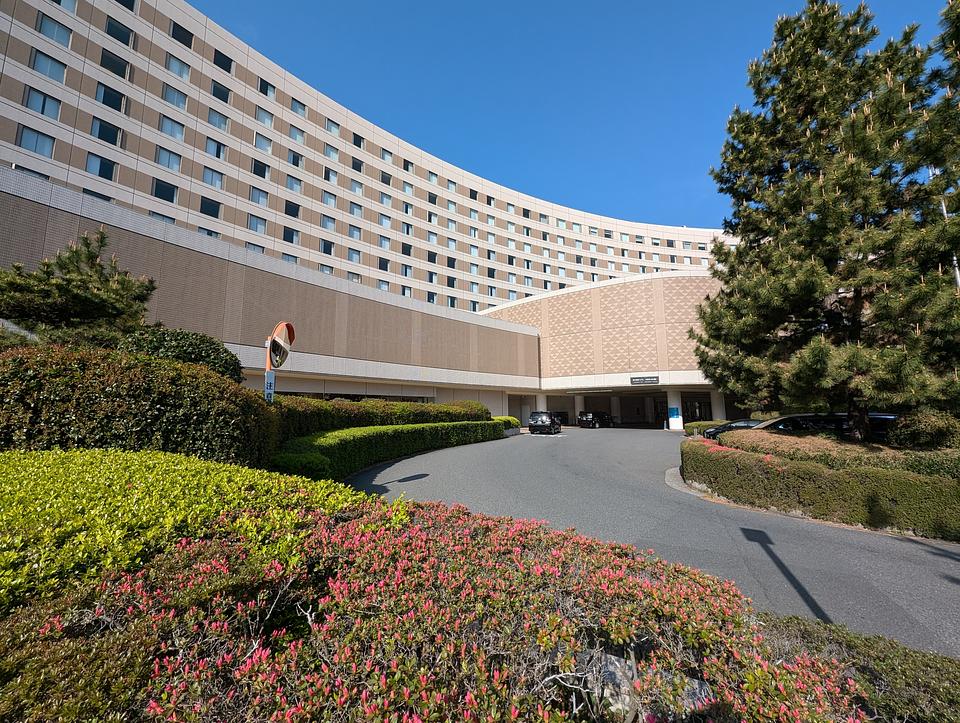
(278, 349)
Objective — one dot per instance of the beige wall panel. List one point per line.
(21, 242)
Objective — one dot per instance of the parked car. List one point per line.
(714, 432)
(594, 420)
(543, 422)
(836, 422)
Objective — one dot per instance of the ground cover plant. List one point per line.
(443, 615)
(927, 505)
(67, 516)
(844, 454)
(342, 452)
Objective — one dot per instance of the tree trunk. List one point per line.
(859, 418)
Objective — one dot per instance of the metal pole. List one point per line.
(943, 207)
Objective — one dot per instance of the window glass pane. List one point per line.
(115, 64)
(57, 32)
(217, 119)
(297, 134)
(35, 141)
(222, 61)
(164, 191)
(255, 223)
(209, 207)
(258, 196)
(42, 103)
(262, 142)
(174, 96)
(53, 69)
(297, 107)
(119, 31)
(106, 132)
(178, 67)
(100, 166)
(110, 97)
(267, 89)
(212, 177)
(294, 184)
(69, 5)
(220, 91)
(264, 116)
(128, 4)
(171, 127)
(181, 34)
(168, 158)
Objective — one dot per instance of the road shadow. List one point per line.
(937, 550)
(951, 578)
(365, 480)
(763, 539)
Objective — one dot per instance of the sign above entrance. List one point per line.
(645, 380)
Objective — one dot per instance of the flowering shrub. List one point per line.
(301, 416)
(868, 496)
(844, 454)
(445, 616)
(337, 454)
(68, 515)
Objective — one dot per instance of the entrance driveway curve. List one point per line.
(609, 484)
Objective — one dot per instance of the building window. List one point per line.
(259, 168)
(255, 248)
(181, 34)
(294, 184)
(289, 258)
(119, 31)
(209, 207)
(297, 107)
(328, 223)
(354, 277)
(353, 232)
(207, 231)
(431, 297)
(220, 91)
(324, 269)
(326, 247)
(50, 67)
(328, 199)
(99, 166)
(386, 155)
(294, 158)
(164, 191)
(110, 97)
(39, 143)
(256, 224)
(262, 142)
(224, 62)
(174, 97)
(153, 214)
(383, 285)
(383, 264)
(408, 166)
(178, 67)
(297, 134)
(291, 209)
(172, 128)
(259, 196)
(217, 119)
(212, 177)
(69, 5)
(264, 116)
(42, 103)
(406, 291)
(57, 32)
(353, 256)
(106, 132)
(291, 235)
(357, 165)
(356, 209)
(168, 158)
(268, 89)
(332, 127)
(216, 149)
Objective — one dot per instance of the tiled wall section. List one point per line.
(240, 304)
(630, 325)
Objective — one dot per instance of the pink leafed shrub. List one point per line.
(429, 614)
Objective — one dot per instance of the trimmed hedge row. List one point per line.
(58, 397)
(692, 429)
(840, 454)
(185, 346)
(66, 516)
(337, 454)
(301, 416)
(868, 496)
(509, 422)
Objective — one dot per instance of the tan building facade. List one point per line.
(249, 195)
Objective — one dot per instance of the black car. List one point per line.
(594, 420)
(543, 422)
(714, 432)
(834, 422)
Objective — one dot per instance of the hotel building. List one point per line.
(250, 197)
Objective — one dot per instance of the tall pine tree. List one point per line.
(839, 295)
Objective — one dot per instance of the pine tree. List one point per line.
(76, 290)
(838, 296)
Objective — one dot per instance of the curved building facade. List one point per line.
(151, 109)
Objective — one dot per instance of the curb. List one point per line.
(674, 480)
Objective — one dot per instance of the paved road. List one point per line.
(609, 483)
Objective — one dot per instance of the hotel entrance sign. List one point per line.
(645, 380)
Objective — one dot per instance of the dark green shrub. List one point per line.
(301, 416)
(11, 340)
(842, 453)
(509, 422)
(692, 429)
(926, 429)
(58, 397)
(69, 515)
(868, 496)
(337, 454)
(186, 346)
(897, 683)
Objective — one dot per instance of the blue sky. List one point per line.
(616, 108)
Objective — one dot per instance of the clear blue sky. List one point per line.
(616, 108)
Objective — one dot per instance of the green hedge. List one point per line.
(692, 429)
(302, 416)
(896, 683)
(842, 454)
(186, 346)
(55, 397)
(342, 452)
(926, 429)
(509, 422)
(66, 516)
(869, 496)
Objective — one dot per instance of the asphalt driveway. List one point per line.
(609, 483)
